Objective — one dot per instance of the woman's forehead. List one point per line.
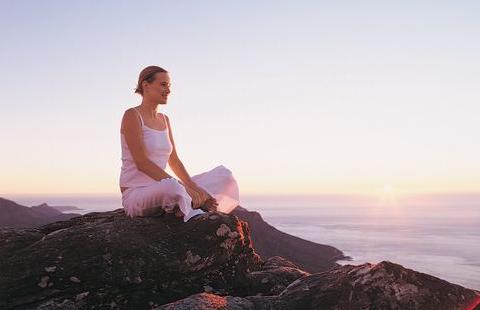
(163, 76)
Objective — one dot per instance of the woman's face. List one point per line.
(159, 89)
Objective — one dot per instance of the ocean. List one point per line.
(441, 240)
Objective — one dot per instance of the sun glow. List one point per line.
(387, 189)
(388, 195)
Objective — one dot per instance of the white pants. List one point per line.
(166, 193)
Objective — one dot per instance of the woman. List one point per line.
(148, 145)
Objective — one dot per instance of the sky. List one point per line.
(294, 97)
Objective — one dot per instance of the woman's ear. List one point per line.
(145, 86)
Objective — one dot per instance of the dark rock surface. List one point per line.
(274, 276)
(106, 260)
(13, 214)
(208, 301)
(385, 285)
(269, 241)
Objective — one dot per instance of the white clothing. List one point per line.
(158, 149)
(166, 193)
(145, 193)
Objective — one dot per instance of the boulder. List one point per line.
(107, 258)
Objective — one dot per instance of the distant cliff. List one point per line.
(106, 260)
(13, 214)
(269, 241)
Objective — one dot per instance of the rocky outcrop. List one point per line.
(274, 276)
(385, 285)
(106, 260)
(269, 241)
(13, 214)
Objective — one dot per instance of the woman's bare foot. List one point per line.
(210, 205)
(178, 212)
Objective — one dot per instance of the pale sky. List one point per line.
(298, 97)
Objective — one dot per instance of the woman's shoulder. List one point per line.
(130, 110)
(130, 115)
(163, 115)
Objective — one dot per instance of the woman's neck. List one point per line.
(150, 108)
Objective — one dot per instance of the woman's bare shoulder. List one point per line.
(166, 117)
(129, 110)
(129, 118)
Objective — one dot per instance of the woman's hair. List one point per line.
(147, 74)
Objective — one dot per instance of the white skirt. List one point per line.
(166, 193)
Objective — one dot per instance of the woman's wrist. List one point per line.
(190, 183)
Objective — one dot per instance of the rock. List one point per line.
(106, 260)
(384, 285)
(50, 269)
(81, 296)
(139, 260)
(75, 279)
(208, 289)
(43, 282)
(223, 230)
(274, 276)
(207, 301)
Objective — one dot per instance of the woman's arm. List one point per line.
(199, 195)
(175, 163)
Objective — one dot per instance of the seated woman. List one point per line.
(148, 145)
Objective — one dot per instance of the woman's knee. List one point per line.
(224, 169)
(171, 188)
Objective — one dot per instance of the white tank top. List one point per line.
(158, 148)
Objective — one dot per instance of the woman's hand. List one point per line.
(209, 202)
(195, 195)
(201, 197)
(192, 192)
